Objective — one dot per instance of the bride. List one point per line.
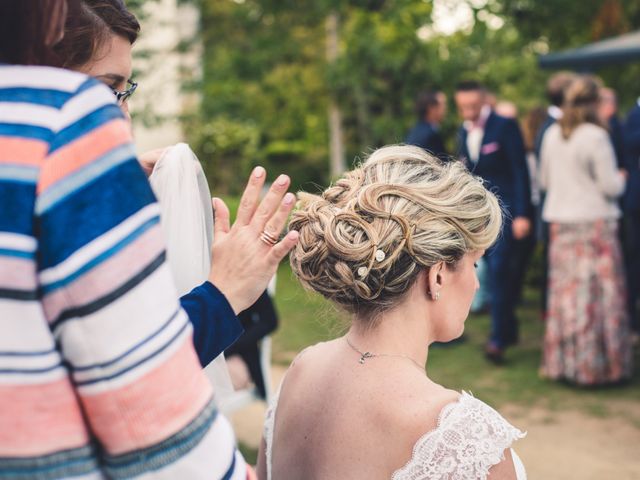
(394, 243)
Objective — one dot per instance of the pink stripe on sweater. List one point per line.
(22, 151)
(17, 273)
(154, 407)
(107, 276)
(83, 151)
(40, 419)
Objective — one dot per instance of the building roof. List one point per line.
(621, 49)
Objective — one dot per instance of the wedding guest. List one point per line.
(98, 375)
(97, 41)
(393, 243)
(431, 108)
(243, 357)
(556, 85)
(587, 330)
(608, 116)
(491, 147)
(631, 138)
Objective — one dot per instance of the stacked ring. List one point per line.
(267, 238)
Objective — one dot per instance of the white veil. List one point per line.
(187, 222)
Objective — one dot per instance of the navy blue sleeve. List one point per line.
(515, 152)
(215, 325)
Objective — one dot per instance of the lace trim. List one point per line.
(470, 437)
(269, 422)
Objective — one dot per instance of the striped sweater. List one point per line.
(98, 375)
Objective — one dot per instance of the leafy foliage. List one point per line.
(265, 70)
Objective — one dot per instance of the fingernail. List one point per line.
(282, 180)
(258, 172)
(288, 198)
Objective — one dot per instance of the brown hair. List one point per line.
(26, 30)
(580, 104)
(364, 241)
(556, 85)
(531, 125)
(426, 101)
(90, 25)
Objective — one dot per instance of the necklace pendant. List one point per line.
(364, 356)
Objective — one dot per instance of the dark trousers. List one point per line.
(522, 252)
(632, 265)
(504, 327)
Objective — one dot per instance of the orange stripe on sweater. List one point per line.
(153, 407)
(83, 151)
(22, 151)
(40, 419)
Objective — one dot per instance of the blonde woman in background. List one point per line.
(587, 333)
(394, 243)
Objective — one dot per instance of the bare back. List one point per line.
(337, 418)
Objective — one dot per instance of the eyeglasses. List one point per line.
(123, 96)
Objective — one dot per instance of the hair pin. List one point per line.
(380, 255)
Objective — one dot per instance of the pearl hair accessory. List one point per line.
(362, 272)
(380, 255)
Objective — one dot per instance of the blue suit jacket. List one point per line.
(502, 164)
(424, 135)
(540, 135)
(631, 136)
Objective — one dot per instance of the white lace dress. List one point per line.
(469, 439)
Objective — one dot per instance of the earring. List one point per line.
(436, 296)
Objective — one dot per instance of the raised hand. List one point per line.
(246, 255)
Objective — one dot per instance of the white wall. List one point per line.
(159, 69)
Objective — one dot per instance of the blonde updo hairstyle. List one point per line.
(365, 239)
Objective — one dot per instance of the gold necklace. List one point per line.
(365, 355)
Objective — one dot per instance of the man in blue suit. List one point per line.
(631, 203)
(431, 107)
(492, 148)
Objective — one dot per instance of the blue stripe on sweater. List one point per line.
(7, 252)
(20, 130)
(90, 83)
(165, 453)
(64, 464)
(34, 96)
(83, 176)
(232, 467)
(95, 119)
(91, 211)
(134, 365)
(83, 368)
(110, 252)
(18, 173)
(16, 207)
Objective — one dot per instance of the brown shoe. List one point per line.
(494, 354)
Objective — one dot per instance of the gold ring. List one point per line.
(267, 238)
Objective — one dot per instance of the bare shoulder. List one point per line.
(418, 405)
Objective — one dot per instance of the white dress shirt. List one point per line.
(475, 133)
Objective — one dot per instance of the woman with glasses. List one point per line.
(98, 40)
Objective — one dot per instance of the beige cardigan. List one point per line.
(579, 175)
